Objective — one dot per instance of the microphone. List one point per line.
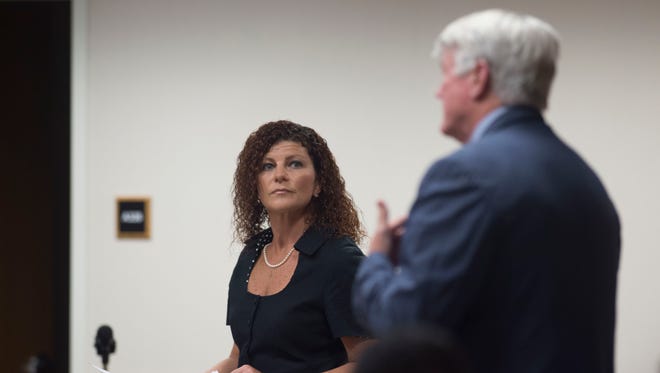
(105, 344)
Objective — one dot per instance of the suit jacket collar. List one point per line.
(514, 115)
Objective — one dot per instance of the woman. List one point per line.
(289, 296)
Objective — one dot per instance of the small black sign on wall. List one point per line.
(133, 217)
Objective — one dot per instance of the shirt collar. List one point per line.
(308, 244)
(311, 240)
(486, 122)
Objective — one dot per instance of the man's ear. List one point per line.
(480, 80)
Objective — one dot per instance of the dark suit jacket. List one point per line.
(513, 245)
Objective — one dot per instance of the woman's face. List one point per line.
(287, 180)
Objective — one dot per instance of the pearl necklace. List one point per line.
(277, 264)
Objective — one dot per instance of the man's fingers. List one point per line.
(382, 214)
(399, 223)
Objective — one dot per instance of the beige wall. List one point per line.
(165, 93)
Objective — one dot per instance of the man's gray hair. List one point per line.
(521, 52)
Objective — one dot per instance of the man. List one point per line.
(512, 243)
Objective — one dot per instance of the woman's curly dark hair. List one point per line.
(333, 209)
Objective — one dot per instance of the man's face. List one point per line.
(454, 92)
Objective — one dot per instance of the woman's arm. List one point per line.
(227, 365)
(354, 347)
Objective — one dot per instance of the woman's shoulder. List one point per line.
(341, 250)
(344, 244)
(339, 260)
